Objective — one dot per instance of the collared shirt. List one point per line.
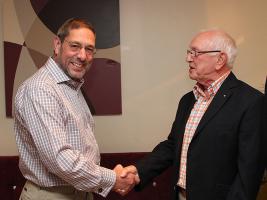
(54, 133)
(203, 100)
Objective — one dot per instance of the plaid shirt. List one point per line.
(54, 133)
(201, 105)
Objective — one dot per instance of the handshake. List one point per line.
(126, 179)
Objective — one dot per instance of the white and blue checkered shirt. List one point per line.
(54, 133)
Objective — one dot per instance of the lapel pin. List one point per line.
(224, 95)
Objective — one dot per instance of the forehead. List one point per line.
(200, 41)
(82, 35)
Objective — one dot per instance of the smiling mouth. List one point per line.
(77, 66)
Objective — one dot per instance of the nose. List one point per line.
(189, 57)
(82, 54)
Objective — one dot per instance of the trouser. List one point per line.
(181, 196)
(182, 193)
(31, 191)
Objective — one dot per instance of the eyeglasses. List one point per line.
(196, 53)
(77, 47)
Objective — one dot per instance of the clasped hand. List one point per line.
(126, 179)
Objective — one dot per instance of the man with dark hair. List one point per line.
(59, 155)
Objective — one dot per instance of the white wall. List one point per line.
(154, 39)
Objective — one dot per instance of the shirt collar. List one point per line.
(60, 76)
(199, 91)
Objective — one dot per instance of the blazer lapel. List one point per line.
(223, 94)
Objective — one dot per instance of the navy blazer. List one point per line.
(224, 159)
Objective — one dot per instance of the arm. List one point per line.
(144, 170)
(45, 120)
(155, 163)
(166, 153)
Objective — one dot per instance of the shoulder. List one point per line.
(242, 91)
(39, 82)
(244, 97)
(248, 91)
(187, 97)
(186, 101)
(240, 87)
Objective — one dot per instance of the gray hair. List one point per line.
(224, 42)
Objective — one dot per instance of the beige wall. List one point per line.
(154, 38)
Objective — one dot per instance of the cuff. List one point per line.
(108, 179)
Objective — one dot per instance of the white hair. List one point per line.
(224, 42)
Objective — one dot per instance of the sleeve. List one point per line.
(155, 163)
(164, 154)
(44, 118)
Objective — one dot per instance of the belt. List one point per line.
(182, 192)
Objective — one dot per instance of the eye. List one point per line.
(75, 47)
(90, 50)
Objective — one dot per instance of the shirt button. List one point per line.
(100, 190)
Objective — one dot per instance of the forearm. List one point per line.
(155, 163)
(84, 174)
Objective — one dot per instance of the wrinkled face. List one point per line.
(75, 54)
(202, 67)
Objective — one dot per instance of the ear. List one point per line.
(222, 60)
(57, 45)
